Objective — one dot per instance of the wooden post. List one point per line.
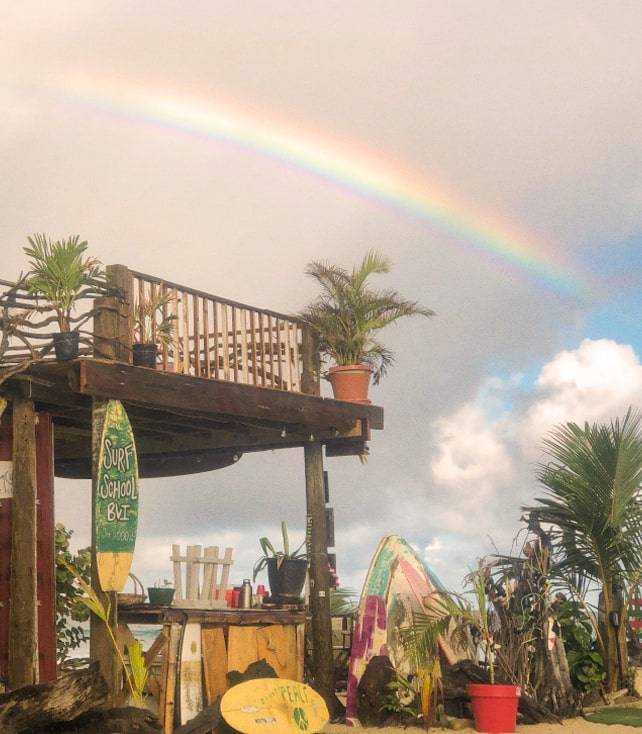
(322, 655)
(113, 325)
(23, 619)
(101, 647)
(310, 377)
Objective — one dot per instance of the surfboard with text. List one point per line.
(116, 509)
(274, 705)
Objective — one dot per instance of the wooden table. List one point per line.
(232, 639)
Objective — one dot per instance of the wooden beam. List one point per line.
(23, 631)
(198, 395)
(101, 648)
(322, 655)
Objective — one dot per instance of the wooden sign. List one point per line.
(116, 510)
(274, 705)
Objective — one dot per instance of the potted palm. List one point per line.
(153, 327)
(286, 570)
(61, 274)
(347, 315)
(494, 706)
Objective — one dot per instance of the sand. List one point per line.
(570, 726)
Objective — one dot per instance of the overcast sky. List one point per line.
(493, 150)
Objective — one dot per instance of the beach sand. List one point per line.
(570, 726)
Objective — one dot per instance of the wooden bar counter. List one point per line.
(231, 639)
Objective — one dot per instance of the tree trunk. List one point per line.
(615, 668)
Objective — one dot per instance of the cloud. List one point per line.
(482, 470)
(596, 381)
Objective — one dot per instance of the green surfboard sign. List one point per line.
(116, 497)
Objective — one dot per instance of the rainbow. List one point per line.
(344, 165)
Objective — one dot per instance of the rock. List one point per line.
(373, 691)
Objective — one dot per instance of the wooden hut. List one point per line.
(232, 379)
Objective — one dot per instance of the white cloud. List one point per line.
(596, 381)
(483, 468)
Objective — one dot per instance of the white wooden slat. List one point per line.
(192, 571)
(225, 574)
(210, 553)
(178, 579)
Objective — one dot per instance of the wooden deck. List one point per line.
(185, 424)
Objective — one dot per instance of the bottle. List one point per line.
(245, 597)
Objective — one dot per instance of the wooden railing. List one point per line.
(217, 338)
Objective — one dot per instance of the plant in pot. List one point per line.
(286, 570)
(60, 273)
(494, 706)
(153, 327)
(347, 315)
(161, 593)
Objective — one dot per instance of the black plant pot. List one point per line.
(66, 345)
(286, 581)
(145, 355)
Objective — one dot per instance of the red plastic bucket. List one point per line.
(494, 707)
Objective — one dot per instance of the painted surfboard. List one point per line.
(274, 705)
(190, 675)
(397, 585)
(116, 509)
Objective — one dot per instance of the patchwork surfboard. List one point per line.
(274, 705)
(116, 509)
(397, 586)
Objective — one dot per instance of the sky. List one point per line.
(492, 150)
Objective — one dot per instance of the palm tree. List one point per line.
(348, 313)
(61, 273)
(593, 481)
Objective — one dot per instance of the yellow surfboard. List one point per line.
(274, 705)
(116, 508)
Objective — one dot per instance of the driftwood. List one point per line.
(456, 678)
(33, 707)
(129, 720)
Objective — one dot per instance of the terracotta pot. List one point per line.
(350, 382)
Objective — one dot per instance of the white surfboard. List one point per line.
(191, 673)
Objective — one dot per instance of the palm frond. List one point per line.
(347, 313)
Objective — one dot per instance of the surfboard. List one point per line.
(190, 679)
(274, 705)
(396, 587)
(116, 504)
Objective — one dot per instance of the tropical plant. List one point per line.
(586, 666)
(136, 674)
(69, 606)
(348, 313)
(592, 483)
(150, 328)
(343, 602)
(402, 697)
(270, 552)
(60, 273)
